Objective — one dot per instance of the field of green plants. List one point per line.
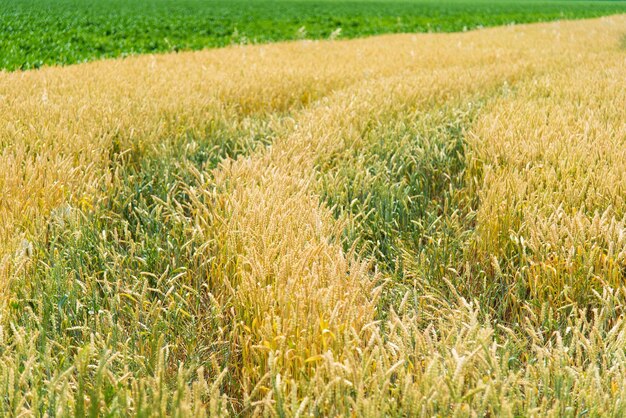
(41, 32)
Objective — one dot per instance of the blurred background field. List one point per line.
(41, 32)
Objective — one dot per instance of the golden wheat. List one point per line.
(524, 319)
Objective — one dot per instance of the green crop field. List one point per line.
(42, 32)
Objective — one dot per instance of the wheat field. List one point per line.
(402, 225)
